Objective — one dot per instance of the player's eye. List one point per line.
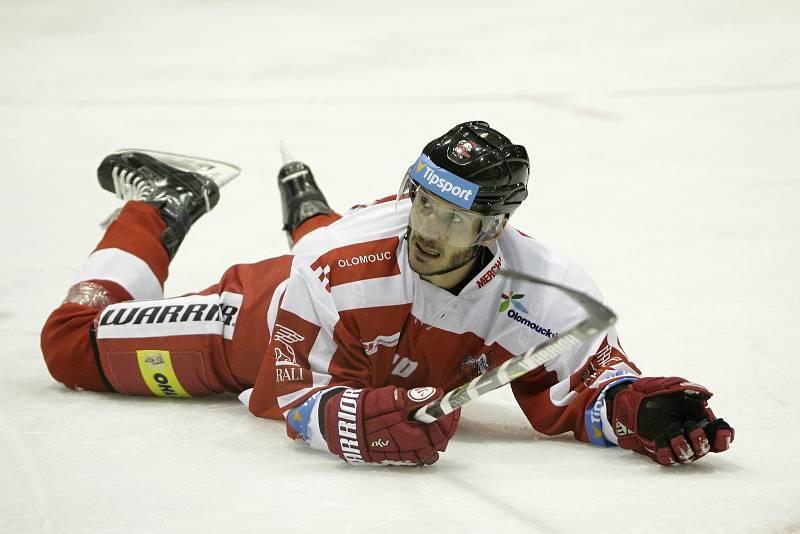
(425, 203)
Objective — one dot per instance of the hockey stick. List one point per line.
(599, 318)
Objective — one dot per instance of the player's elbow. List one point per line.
(67, 348)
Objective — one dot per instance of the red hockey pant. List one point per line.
(115, 332)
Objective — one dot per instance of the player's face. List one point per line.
(439, 233)
(431, 257)
(439, 220)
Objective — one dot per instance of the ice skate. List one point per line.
(190, 183)
(182, 187)
(301, 198)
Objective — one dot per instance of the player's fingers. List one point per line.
(437, 437)
(696, 436)
(428, 455)
(680, 447)
(452, 422)
(663, 453)
(720, 435)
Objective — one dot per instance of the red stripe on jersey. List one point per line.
(361, 261)
(378, 328)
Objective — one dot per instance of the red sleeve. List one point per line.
(555, 399)
(306, 355)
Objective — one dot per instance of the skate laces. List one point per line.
(130, 185)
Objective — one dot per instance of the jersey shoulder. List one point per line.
(529, 255)
(357, 259)
(361, 224)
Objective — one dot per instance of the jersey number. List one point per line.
(403, 366)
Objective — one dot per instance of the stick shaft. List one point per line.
(599, 318)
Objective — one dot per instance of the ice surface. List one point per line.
(664, 137)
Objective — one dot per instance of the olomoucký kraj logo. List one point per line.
(512, 299)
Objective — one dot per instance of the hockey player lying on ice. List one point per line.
(372, 315)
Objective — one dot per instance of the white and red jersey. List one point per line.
(354, 314)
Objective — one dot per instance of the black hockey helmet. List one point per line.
(483, 156)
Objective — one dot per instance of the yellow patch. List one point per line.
(158, 374)
(419, 166)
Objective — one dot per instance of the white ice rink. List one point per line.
(664, 138)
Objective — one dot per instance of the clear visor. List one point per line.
(437, 219)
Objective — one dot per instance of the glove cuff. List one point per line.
(623, 420)
(345, 433)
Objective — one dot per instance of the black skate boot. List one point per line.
(301, 198)
(183, 190)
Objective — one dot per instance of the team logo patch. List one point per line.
(464, 148)
(472, 366)
(421, 394)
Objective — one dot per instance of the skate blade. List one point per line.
(286, 155)
(218, 171)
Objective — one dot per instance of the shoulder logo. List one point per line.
(512, 299)
(287, 369)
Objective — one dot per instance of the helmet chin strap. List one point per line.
(475, 249)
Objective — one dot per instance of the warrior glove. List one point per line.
(667, 419)
(374, 426)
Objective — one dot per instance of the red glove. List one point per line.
(373, 426)
(667, 419)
